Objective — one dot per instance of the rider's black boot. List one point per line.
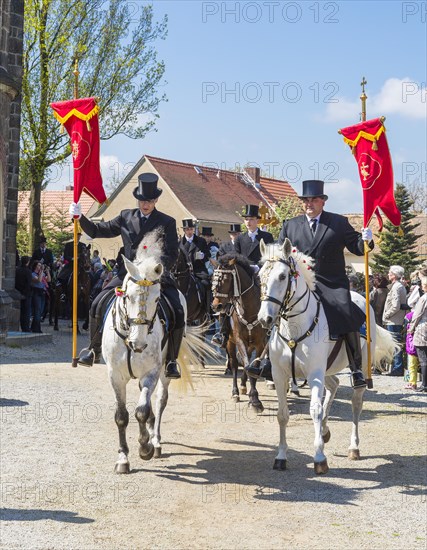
(91, 355)
(257, 368)
(354, 353)
(174, 343)
(221, 338)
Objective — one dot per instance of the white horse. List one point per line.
(300, 337)
(132, 348)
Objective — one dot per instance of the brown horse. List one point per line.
(84, 285)
(234, 282)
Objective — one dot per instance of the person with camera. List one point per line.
(40, 279)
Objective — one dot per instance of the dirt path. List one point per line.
(214, 487)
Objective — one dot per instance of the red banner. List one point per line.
(80, 118)
(370, 148)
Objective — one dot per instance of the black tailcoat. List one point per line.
(128, 225)
(244, 245)
(334, 233)
(198, 244)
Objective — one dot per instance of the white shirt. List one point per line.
(252, 235)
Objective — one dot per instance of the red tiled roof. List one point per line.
(276, 190)
(53, 205)
(216, 195)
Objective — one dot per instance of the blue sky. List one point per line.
(270, 83)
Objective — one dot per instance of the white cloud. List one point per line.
(345, 197)
(112, 169)
(404, 97)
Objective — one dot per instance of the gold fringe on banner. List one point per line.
(374, 145)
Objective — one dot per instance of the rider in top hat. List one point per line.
(323, 236)
(227, 247)
(133, 225)
(208, 235)
(68, 257)
(196, 248)
(220, 338)
(247, 243)
(43, 253)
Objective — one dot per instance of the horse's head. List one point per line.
(230, 280)
(283, 267)
(140, 294)
(183, 264)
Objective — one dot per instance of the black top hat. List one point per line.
(42, 239)
(313, 188)
(235, 228)
(187, 223)
(207, 232)
(147, 189)
(251, 211)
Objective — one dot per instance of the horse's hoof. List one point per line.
(326, 436)
(279, 464)
(157, 452)
(149, 455)
(295, 392)
(243, 391)
(122, 468)
(354, 454)
(321, 467)
(258, 408)
(236, 398)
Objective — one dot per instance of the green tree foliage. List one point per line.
(398, 249)
(117, 62)
(286, 209)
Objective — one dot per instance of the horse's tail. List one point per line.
(193, 348)
(385, 346)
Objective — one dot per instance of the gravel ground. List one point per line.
(214, 487)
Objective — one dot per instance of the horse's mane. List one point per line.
(151, 247)
(240, 260)
(304, 263)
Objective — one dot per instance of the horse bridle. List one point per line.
(218, 276)
(127, 322)
(285, 308)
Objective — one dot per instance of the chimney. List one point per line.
(254, 172)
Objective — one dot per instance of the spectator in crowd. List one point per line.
(38, 284)
(378, 296)
(411, 354)
(418, 328)
(415, 291)
(394, 314)
(95, 258)
(23, 280)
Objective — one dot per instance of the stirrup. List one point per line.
(357, 379)
(218, 339)
(86, 357)
(172, 370)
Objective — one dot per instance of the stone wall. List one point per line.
(11, 43)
